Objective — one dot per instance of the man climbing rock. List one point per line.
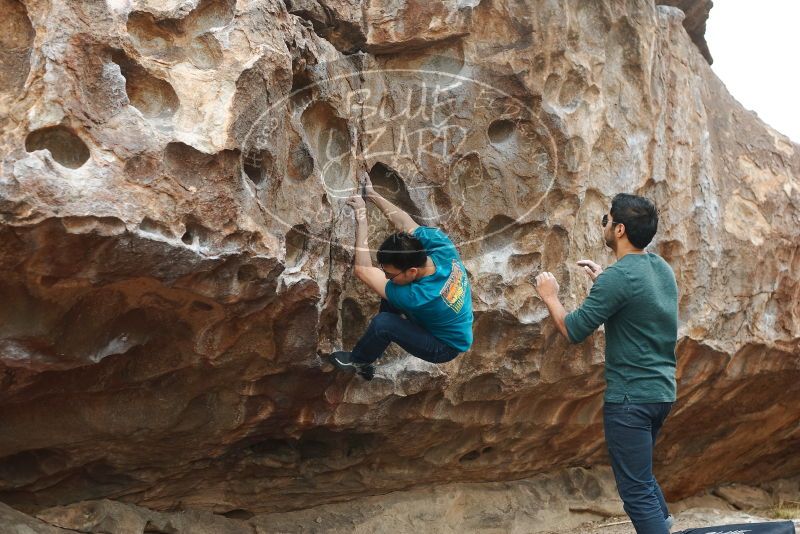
(426, 302)
(637, 300)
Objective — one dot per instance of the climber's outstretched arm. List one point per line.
(372, 276)
(399, 218)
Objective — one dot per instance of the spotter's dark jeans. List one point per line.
(631, 430)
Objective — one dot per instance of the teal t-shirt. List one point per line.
(637, 300)
(442, 302)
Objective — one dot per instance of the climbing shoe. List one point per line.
(367, 372)
(344, 361)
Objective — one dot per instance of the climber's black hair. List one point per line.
(403, 251)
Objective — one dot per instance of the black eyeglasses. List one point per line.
(387, 274)
(605, 221)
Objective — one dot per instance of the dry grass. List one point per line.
(785, 510)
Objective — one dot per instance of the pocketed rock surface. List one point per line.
(176, 256)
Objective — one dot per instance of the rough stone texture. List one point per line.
(15, 522)
(743, 497)
(112, 517)
(705, 500)
(695, 22)
(574, 501)
(175, 252)
(544, 503)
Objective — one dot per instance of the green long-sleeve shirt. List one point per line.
(637, 300)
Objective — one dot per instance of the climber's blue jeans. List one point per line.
(631, 430)
(388, 326)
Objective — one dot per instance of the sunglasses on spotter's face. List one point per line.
(605, 221)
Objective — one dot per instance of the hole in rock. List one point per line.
(208, 15)
(49, 281)
(172, 40)
(199, 305)
(302, 83)
(178, 155)
(154, 37)
(310, 450)
(152, 226)
(97, 330)
(90, 224)
(247, 273)
(525, 263)
(322, 443)
(100, 325)
(391, 186)
(99, 474)
(482, 387)
(300, 164)
(239, 514)
(258, 166)
(194, 169)
(329, 140)
(470, 456)
(310, 12)
(296, 241)
(253, 167)
(573, 88)
(65, 147)
(279, 450)
(434, 64)
(28, 466)
(195, 233)
(501, 131)
(16, 42)
(152, 528)
(154, 97)
(361, 444)
(238, 240)
(499, 233)
(142, 168)
(346, 36)
(204, 52)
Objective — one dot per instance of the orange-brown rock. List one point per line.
(572, 501)
(697, 12)
(175, 253)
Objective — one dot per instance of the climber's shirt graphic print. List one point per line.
(453, 291)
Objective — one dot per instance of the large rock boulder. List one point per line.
(176, 253)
